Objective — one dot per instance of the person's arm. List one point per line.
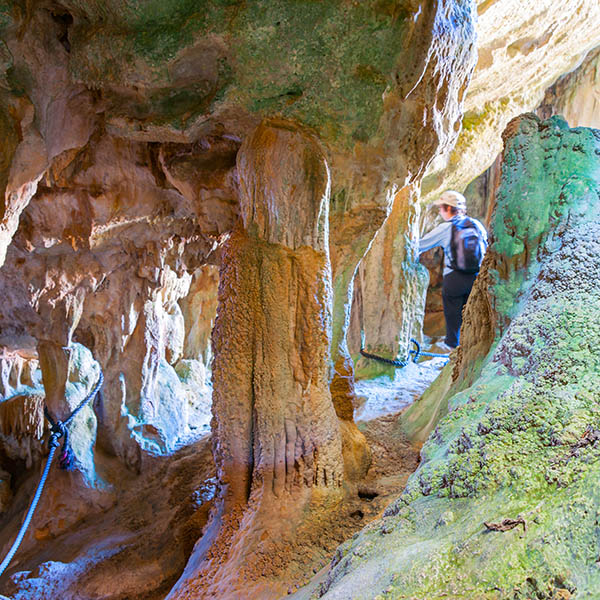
(435, 237)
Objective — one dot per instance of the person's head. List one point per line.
(451, 203)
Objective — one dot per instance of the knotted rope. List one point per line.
(417, 353)
(58, 429)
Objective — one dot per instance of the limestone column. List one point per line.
(277, 442)
(274, 420)
(69, 373)
(393, 288)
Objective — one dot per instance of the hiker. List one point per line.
(464, 241)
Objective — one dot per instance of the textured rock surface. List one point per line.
(277, 442)
(576, 95)
(122, 175)
(422, 123)
(96, 558)
(393, 289)
(125, 125)
(520, 54)
(521, 442)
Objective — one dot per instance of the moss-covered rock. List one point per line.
(522, 441)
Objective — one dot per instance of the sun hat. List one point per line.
(452, 198)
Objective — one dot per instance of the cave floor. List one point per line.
(394, 459)
(174, 480)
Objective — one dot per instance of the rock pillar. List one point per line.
(277, 441)
(393, 288)
(272, 407)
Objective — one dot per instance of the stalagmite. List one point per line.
(276, 436)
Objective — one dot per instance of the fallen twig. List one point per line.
(506, 524)
(590, 437)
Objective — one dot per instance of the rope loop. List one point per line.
(58, 429)
(53, 441)
(418, 352)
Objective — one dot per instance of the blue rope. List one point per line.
(402, 363)
(53, 446)
(381, 359)
(58, 429)
(417, 352)
(67, 459)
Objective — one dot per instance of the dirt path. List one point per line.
(394, 460)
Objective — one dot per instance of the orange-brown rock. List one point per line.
(276, 435)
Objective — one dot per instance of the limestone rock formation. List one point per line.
(509, 78)
(276, 439)
(519, 446)
(519, 56)
(575, 95)
(121, 169)
(187, 195)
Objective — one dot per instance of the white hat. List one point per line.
(452, 198)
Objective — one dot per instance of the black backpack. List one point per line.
(467, 246)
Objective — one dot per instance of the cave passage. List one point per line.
(218, 206)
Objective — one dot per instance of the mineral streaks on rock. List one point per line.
(179, 69)
(521, 441)
(391, 314)
(284, 188)
(520, 54)
(421, 115)
(576, 95)
(276, 436)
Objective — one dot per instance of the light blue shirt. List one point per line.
(442, 236)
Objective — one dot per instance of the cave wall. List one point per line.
(509, 79)
(122, 126)
(519, 442)
(519, 57)
(125, 126)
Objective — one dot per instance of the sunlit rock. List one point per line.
(520, 54)
(390, 314)
(576, 95)
(148, 147)
(520, 442)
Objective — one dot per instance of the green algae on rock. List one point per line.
(325, 64)
(522, 440)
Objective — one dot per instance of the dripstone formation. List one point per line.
(193, 198)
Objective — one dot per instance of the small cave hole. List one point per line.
(64, 20)
(366, 494)
(357, 514)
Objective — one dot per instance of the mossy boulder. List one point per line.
(521, 442)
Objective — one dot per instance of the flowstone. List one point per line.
(521, 442)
